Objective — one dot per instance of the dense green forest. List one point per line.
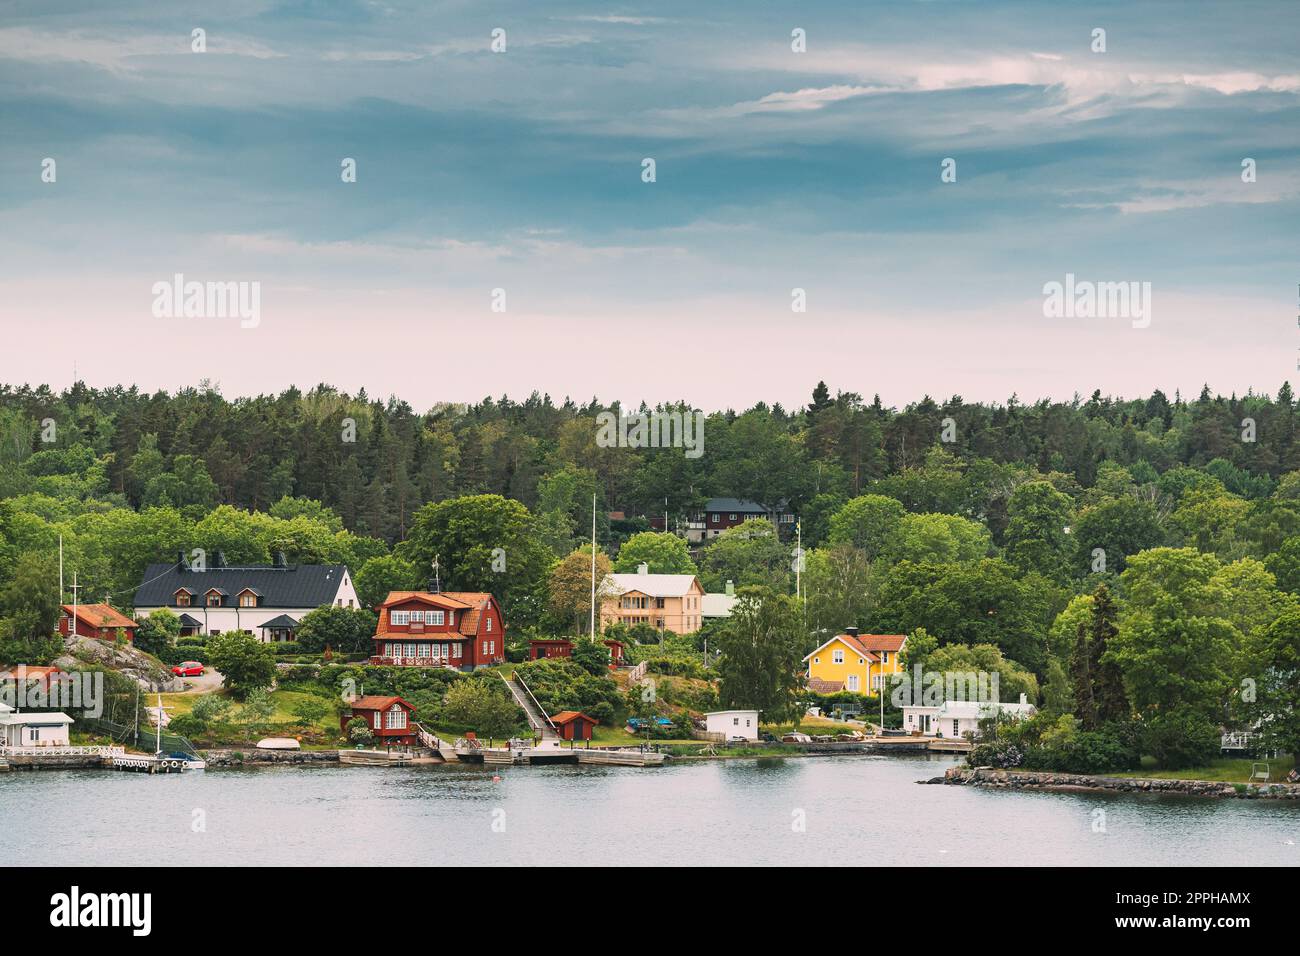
(973, 525)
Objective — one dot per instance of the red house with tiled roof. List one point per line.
(390, 719)
(97, 620)
(460, 629)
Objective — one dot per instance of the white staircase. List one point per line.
(537, 718)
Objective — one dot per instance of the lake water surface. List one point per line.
(811, 810)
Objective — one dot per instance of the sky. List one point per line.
(775, 170)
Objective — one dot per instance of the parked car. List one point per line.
(188, 669)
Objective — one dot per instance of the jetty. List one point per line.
(547, 746)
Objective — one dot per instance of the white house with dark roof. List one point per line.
(265, 600)
(33, 729)
(719, 514)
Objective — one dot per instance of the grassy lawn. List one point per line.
(284, 700)
(1225, 770)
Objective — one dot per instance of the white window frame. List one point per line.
(852, 683)
(837, 656)
(399, 618)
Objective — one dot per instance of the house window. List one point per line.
(434, 617)
(399, 617)
(884, 657)
(489, 624)
(492, 647)
(417, 617)
(455, 650)
(247, 600)
(861, 661)
(182, 598)
(817, 660)
(731, 517)
(350, 603)
(378, 719)
(837, 657)
(410, 650)
(735, 721)
(954, 728)
(396, 718)
(214, 599)
(423, 650)
(875, 681)
(853, 682)
(485, 648)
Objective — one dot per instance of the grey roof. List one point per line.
(284, 620)
(294, 586)
(187, 621)
(741, 506)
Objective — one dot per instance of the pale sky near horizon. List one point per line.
(775, 170)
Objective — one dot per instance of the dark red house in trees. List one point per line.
(542, 647)
(390, 719)
(460, 629)
(97, 620)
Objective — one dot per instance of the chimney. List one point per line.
(851, 631)
(435, 586)
(1024, 699)
(180, 561)
(731, 589)
(643, 568)
(280, 560)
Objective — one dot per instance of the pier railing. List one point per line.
(57, 751)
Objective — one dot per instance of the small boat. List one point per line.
(278, 743)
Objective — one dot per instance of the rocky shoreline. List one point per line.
(1073, 782)
(248, 758)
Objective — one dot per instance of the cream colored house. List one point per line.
(667, 602)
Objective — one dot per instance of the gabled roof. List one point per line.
(303, 586)
(442, 599)
(100, 615)
(375, 702)
(849, 641)
(282, 620)
(478, 602)
(568, 716)
(883, 642)
(187, 621)
(652, 585)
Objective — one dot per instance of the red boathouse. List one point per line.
(390, 719)
(574, 725)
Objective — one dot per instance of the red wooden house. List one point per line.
(574, 725)
(97, 620)
(460, 629)
(541, 647)
(390, 719)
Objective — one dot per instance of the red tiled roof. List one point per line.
(819, 686)
(882, 642)
(477, 601)
(568, 716)
(373, 702)
(857, 645)
(100, 615)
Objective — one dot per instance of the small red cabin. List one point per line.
(574, 725)
(97, 620)
(540, 647)
(390, 719)
(615, 653)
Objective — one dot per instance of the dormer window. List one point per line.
(399, 618)
(215, 597)
(184, 598)
(247, 599)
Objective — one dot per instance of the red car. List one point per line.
(188, 669)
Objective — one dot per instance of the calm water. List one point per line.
(856, 809)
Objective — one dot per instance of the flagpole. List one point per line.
(592, 632)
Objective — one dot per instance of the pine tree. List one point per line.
(1085, 708)
(1109, 699)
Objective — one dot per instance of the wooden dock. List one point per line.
(551, 752)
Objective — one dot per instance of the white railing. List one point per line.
(59, 751)
(638, 672)
(1237, 740)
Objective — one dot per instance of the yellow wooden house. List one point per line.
(858, 663)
